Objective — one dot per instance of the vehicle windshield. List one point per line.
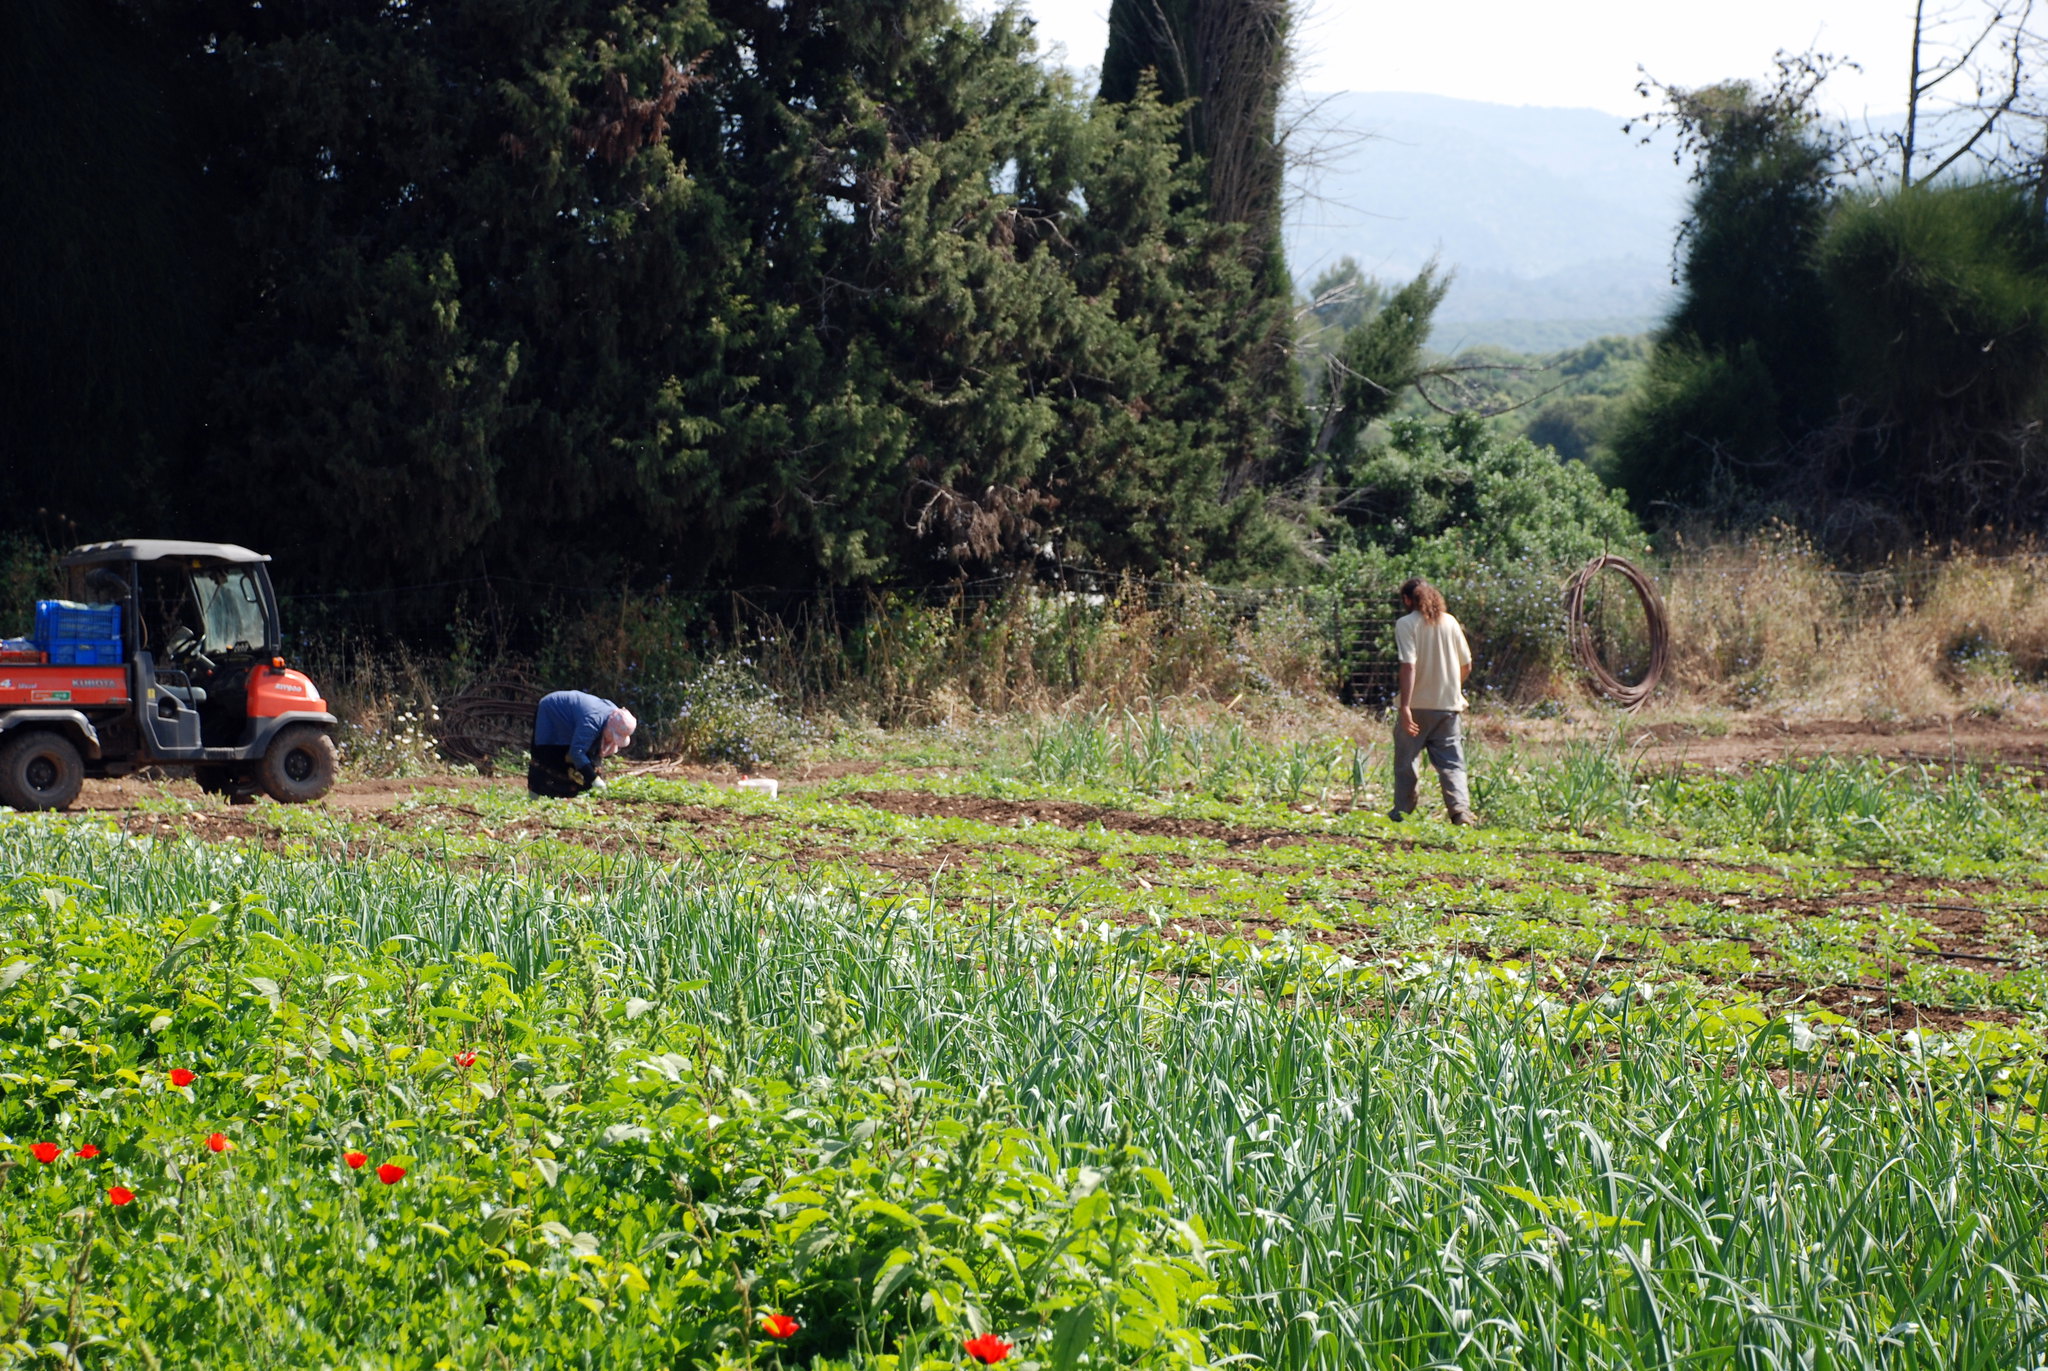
(230, 608)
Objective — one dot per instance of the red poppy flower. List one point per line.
(218, 1142)
(465, 1060)
(391, 1173)
(181, 1078)
(46, 1152)
(988, 1349)
(88, 1151)
(779, 1326)
(355, 1160)
(118, 1195)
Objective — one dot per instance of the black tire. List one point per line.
(39, 769)
(300, 765)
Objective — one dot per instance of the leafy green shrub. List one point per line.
(1496, 522)
(28, 572)
(1941, 301)
(1703, 417)
(257, 1150)
(727, 713)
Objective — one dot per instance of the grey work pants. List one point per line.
(1443, 737)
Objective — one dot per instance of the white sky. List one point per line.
(1571, 53)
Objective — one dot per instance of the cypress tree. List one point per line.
(1223, 65)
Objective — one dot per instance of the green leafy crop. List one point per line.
(268, 1151)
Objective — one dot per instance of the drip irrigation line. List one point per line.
(1587, 652)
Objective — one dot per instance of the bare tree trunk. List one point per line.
(1230, 58)
(1912, 99)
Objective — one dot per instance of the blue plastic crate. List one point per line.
(67, 621)
(85, 654)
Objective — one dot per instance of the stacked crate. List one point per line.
(72, 634)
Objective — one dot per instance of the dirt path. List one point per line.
(374, 795)
(355, 796)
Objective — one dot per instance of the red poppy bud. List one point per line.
(218, 1142)
(181, 1078)
(391, 1173)
(465, 1060)
(88, 1151)
(355, 1160)
(779, 1326)
(118, 1195)
(46, 1152)
(988, 1349)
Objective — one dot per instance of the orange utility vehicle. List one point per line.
(194, 679)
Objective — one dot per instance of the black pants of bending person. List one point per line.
(549, 773)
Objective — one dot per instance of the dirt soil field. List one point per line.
(370, 796)
(1747, 744)
(1848, 938)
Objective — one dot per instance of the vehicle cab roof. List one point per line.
(154, 550)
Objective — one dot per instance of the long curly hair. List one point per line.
(1424, 598)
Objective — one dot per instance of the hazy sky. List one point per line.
(1574, 53)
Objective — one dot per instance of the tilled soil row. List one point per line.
(667, 830)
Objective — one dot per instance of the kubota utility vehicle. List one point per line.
(164, 654)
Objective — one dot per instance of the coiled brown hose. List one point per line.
(1580, 633)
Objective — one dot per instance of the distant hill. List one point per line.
(1558, 224)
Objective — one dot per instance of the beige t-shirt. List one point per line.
(1439, 653)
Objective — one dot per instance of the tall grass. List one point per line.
(1221, 758)
(1421, 1168)
(1758, 623)
(1766, 622)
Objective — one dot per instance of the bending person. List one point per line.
(1435, 660)
(573, 732)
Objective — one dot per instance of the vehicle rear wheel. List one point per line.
(299, 766)
(39, 769)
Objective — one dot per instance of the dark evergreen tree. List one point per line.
(1940, 293)
(1873, 365)
(1745, 364)
(721, 294)
(116, 264)
(1382, 357)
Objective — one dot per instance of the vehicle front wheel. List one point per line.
(39, 769)
(300, 765)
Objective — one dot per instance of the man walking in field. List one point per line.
(1435, 660)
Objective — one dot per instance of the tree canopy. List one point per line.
(1871, 362)
(710, 292)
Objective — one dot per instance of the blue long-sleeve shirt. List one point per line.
(574, 718)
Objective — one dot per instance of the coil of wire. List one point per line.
(1586, 652)
(490, 717)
